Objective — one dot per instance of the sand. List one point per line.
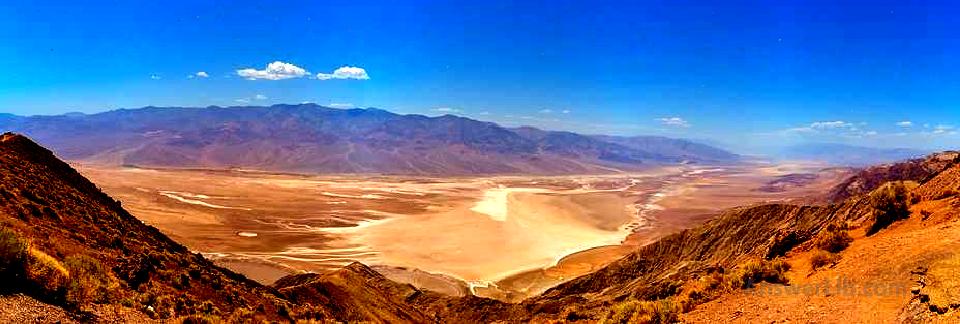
(482, 242)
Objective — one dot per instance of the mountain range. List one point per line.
(313, 138)
(849, 155)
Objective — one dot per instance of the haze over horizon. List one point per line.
(746, 75)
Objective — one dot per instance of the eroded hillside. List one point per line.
(52, 217)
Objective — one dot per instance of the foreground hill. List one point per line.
(903, 271)
(312, 138)
(69, 244)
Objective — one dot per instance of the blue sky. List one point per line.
(743, 74)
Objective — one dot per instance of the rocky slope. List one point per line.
(312, 138)
(57, 213)
(906, 272)
(871, 178)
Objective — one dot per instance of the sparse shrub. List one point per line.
(703, 289)
(620, 312)
(834, 239)
(201, 319)
(753, 272)
(890, 203)
(13, 255)
(164, 306)
(576, 312)
(822, 258)
(46, 273)
(782, 243)
(661, 311)
(23, 267)
(90, 281)
(775, 271)
(636, 311)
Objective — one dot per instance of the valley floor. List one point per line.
(501, 237)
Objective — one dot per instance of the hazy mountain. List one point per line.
(312, 138)
(7, 119)
(673, 148)
(843, 154)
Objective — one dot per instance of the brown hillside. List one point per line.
(355, 284)
(44, 202)
(906, 272)
(873, 177)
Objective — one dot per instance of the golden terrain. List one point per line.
(502, 237)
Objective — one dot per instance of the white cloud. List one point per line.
(447, 110)
(251, 99)
(905, 124)
(274, 71)
(155, 77)
(565, 111)
(484, 113)
(831, 125)
(944, 129)
(546, 111)
(804, 129)
(826, 126)
(674, 122)
(201, 74)
(340, 105)
(345, 72)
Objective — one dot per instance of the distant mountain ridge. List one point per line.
(313, 138)
(852, 155)
(672, 147)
